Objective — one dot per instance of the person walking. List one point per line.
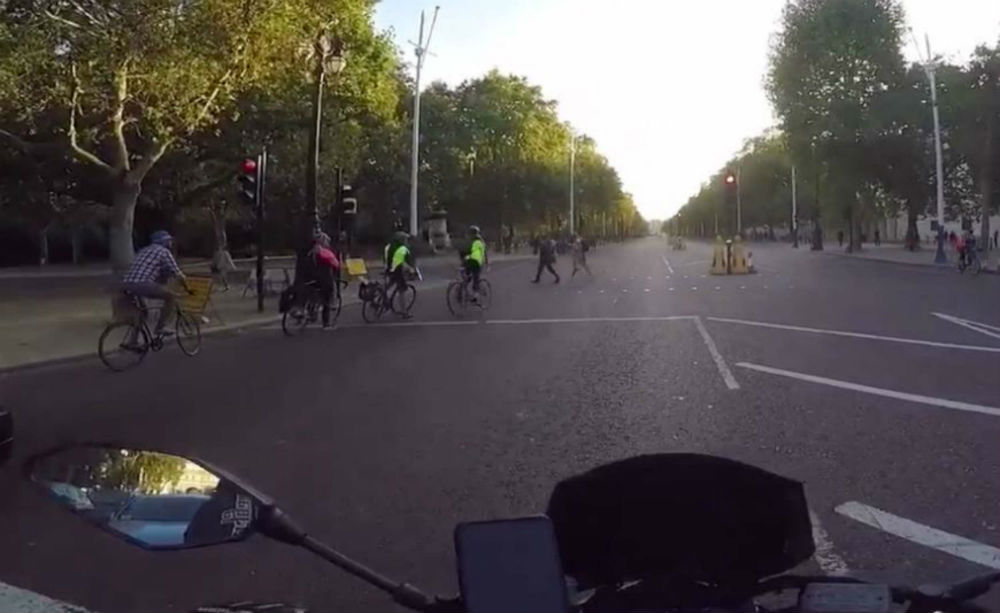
(579, 249)
(996, 239)
(840, 237)
(546, 258)
(878, 238)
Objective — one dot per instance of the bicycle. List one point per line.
(460, 297)
(380, 297)
(305, 306)
(125, 343)
(970, 258)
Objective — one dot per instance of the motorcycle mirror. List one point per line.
(151, 499)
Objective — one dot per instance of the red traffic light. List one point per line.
(249, 166)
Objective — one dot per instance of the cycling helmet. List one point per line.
(160, 237)
(400, 236)
(474, 230)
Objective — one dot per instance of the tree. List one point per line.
(128, 81)
(830, 61)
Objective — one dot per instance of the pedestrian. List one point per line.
(878, 238)
(996, 239)
(580, 249)
(546, 258)
(222, 265)
(840, 237)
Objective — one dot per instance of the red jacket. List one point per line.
(328, 258)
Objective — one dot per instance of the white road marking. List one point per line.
(743, 287)
(876, 337)
(876, 391)
(827, 559)
(670, 289)
(975, 326)
(720, 363)
(602, 291)
(666, 263)
(586, 320)
(645, 289)
(25, 601)
(952, 544)
(694, 289)
(717, 287)
(624, 290)
(649, 278)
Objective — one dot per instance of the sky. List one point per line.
(669, 94)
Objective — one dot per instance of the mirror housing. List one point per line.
(151, 499)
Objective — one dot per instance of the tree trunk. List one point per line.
(123, 199)
(43, 246)
(912, 235)
(76, 244)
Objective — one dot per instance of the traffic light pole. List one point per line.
(261, 173)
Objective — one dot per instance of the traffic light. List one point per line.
(249, 181)
(348, 202)
(730, 179)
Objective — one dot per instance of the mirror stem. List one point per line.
(403, 593)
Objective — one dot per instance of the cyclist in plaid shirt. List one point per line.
(153, 266)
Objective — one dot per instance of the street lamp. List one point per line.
(572, 179)
(930, 67)
(327, 55)
(420, 50)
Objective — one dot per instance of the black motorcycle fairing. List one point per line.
(692, 517)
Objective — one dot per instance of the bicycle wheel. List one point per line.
(372, 309)
(455, 298)
(188, 334)
(403, 299)
(485, 294)
(336, 304)
(123, 345)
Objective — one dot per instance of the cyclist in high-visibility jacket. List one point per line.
(476, 259)
(398, 259)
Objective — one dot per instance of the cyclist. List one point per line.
(152, 267)
(969, 248)
(322, 267)
(398, 260)
(475, 260)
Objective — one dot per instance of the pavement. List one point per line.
(895, 253)
(57, 314)
(874, 384)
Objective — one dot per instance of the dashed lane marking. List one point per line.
(952, 544)
(720, 363)
(25, 601)
(975, 326)
(876, 337)
(876, 391)
(666, 263)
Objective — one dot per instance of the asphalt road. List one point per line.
(380, 438)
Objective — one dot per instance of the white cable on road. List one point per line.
(720, 363)
(952, 544)
(876, 337)
(876, 391)
(827, 559)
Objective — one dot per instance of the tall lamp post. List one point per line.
(572, 180)
(420, 50)
(930, 66)
(327, 55)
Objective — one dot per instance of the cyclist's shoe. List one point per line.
(163, 334)
(133, 346)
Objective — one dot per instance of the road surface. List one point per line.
(380, 438)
